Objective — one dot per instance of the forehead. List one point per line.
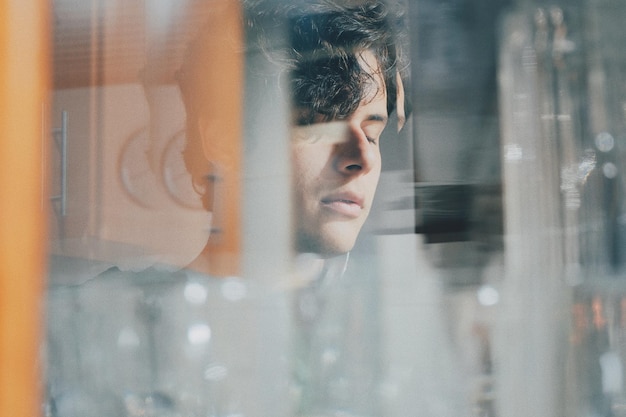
(375, 84)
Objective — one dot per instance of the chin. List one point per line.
(326, 244)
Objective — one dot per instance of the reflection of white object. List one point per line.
(609, 170)
(605, 142)
(199, 334)
(234, 289)
(513, 152)
(128, 338)
(215, 372)
(488, 295)
(195, 293)
(137, 176)
(612, 379)
(176, 177)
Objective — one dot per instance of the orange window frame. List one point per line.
(24, 74)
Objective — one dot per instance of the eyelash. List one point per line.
(372, 140)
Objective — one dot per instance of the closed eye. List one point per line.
(373, 127)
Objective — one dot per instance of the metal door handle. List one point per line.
(60, 138)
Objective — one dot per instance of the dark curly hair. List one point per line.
(318, 47)
(327, 80)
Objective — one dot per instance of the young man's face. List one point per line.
(336, 167)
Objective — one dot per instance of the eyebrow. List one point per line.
(377, 118)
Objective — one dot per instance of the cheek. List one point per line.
(373, 180)
(302, 175)
(298, 168)
(308, 162)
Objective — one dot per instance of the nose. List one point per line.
(356, 155)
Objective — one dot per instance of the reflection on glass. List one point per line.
(562, 114)
(218, 257)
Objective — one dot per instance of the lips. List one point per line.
(344, 204)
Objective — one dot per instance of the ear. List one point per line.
(400, 109)
(221, 141)
(208, 136)
(222, 149)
